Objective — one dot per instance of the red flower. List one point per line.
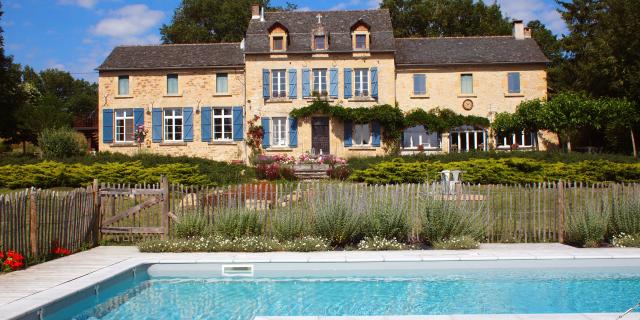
(59, 251)
(14, 260)
(1, 255)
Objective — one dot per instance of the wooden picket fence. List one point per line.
(31, 220)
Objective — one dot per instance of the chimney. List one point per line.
(518, 29)
(527, 32)
(255, 11)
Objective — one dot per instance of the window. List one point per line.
(173, 124)
(361, 134)
(222, 82)
(278, 43)
(222, 124)
(466, 84)
(418, 135)
(172, 84)
(123, 85)
(522, 139)
(320, 81)
(361, 41)
(124, 125)
(318, 42)
(467, 138)
(419, 84)
(362, 82)
(279, 132)
(514, 82)
(278, 84)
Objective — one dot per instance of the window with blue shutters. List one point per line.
(514, 82)
(419, 84)
(172, 84)
(124, 125)
(173, 125)
(361, 83)
(293, 83)
(107, 125)
(374, 82)
(347, 83)
(222, 124)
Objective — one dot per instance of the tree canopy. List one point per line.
(204, 21)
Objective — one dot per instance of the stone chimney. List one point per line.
(255, 11)
(519, 30)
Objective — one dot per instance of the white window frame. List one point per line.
(279, 83)
(356, 136)
(121, 117)
(361, 88)
(503, 144)
(471, 134)
(320, 81)
(226, 115)
(170, 117)
(218, 76)
(413, 145)
(280, 132)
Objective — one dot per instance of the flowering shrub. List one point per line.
(12, 262)
(255, 134)
(60, 252)
(241, 244)
(140, 135)
(457, 243)
(339, 172)
(275, 167)
(624, 240)
(307, 244)
(377, 243)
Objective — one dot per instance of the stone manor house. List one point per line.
(195, 99)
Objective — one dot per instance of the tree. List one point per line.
(204, 21)
(446, 18)
(552, 48)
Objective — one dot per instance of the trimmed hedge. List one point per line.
(115, 168)
(500, 171)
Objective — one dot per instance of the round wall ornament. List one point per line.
(467, 104)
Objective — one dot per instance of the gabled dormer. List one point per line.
(319, 39)
(278, 37)
(360, 36)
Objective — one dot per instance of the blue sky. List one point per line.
(76, 35)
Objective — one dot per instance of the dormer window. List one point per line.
(319, 42)
(278, 37)
(360, 36)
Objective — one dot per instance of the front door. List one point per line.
(320, 135)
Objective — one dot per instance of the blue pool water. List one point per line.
(453, 292)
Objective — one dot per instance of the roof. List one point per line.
(174, 56)
(337, 24)
(468, 50)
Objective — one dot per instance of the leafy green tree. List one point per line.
(204, 21)
(552, 48)
(446, 18)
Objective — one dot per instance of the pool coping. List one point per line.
(53, 280)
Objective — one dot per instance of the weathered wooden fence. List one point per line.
(31, 220)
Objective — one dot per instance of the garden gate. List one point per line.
(134, 212)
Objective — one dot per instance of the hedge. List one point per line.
(500, 171)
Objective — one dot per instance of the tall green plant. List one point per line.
(291, 225)
(61, 142)
(586, 226)
(339, 223)
(388, 221)
(191, 225)
(625, 217)
(235, 223)
(444, 220)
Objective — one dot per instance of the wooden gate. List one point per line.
(135, 212)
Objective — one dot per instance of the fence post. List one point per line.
(33, 222)
(97, 218)
(164, 185)
(561, 212)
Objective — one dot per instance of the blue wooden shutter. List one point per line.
(375, 134)
(138, 117)
(265, 83)
(265, 130)
(348, 132)
(205, 124)
(374, 82)
(306, 89)
(238, 124)
(333, 82)
(187, 114)
(514, 82)
(293, 83)
(156, 125)
(347, 83)
(293, 132)
(107, 125)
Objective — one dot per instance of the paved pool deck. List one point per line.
(36, 286)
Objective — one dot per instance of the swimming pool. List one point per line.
(203, 291)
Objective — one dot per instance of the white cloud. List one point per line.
(53, 64)
(528, 10)
(88, 4)
(304, 9)
(130, 25)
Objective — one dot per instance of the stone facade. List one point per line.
(197, 70)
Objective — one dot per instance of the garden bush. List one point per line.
(291, 225)
(191, 225)
(624, 240)
(499, 171)
(586, 225)
(339, 223)
(236, 223)
(241, 244)
(387, 221)
(61, 143)
(625, 217)
(446, 221)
